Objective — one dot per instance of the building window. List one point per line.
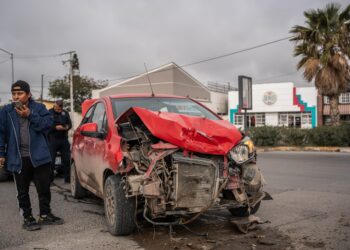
(306, 119)
(325, 99)
(238, 119)
(259, 119)
(253, 120)
(344, 98)
(283, 120)
(295, 120)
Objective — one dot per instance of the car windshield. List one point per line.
(172, 105)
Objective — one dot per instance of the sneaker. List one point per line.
(30, 224)
(50, 219)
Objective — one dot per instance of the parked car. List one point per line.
(167, 156)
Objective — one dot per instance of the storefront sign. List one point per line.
(245, 92)
(269, 98)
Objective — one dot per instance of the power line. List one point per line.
(239, 51)
(214, 58)
(258, 80)
(36, 56)
(19, 56)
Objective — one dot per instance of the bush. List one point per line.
(265, 136)
(294, 136)
(320, 136)
(330, 136)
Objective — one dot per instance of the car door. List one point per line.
(95, 149)
(78, 148)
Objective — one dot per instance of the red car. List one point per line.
(167, 156)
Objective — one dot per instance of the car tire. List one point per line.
(243, 211)
(4, 175)
(77, 190)
(119, 210)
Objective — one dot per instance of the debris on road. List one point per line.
(247, 223)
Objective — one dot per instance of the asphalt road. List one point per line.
(311, 197)
(311, 206)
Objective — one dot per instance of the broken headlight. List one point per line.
(243, 151)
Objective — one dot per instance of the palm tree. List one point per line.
(324, 47)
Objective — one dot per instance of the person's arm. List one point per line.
(2, 136)
(40, 119)
(69, 121)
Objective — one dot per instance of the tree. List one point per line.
(324, 47)
(82, 89)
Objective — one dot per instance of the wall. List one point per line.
(288, 99)
(271, 119)
(218, 102)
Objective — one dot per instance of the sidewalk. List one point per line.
(308, 148)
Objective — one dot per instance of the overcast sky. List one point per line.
(114, 39)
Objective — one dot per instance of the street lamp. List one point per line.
(11, 54)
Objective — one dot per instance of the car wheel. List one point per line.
(119, 210)
(4, 175)
(243, 211)
(76, 189)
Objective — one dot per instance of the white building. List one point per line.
(173, 80)
(276, 104)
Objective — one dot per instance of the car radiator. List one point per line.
(196, 183)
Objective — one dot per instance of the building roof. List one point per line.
(165, 67)
(168, 79)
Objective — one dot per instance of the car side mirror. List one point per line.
(89, 129)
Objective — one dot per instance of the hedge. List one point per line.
(319, 136)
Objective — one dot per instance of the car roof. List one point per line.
(87, 103)
(131, 95)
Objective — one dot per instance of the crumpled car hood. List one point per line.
(195, 134)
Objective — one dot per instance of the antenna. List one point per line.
(149, 80)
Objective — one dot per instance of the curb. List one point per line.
(312, 149)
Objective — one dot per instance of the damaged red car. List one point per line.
(167, 157)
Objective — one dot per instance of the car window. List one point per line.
(99, 117)
(87, 117)
(172, 105)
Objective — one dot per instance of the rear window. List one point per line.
(171, 105)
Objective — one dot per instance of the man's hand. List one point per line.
(2, 162)
(23, 111)
(60, 127)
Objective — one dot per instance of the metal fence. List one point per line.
(221, 88)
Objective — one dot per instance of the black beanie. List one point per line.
(21, 86)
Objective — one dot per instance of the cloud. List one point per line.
(114, 39)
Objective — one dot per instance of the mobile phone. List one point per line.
(17, 104)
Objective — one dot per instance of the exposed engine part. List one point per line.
(195, 183)
(152, 189)
(234, 182)
(134, 183)
(252, 178)
(240, 195)
(178, 183)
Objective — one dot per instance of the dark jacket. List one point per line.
(40, 121)
(63, 119)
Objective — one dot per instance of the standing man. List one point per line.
(25, 152)
(58, 137)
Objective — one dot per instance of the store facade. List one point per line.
(343, 107)
(276, 104)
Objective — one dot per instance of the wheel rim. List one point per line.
(72, 179)
(110, 206)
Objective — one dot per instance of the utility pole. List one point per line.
(12, 65)
(42, 89)
(70, 82)
(71, 89)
